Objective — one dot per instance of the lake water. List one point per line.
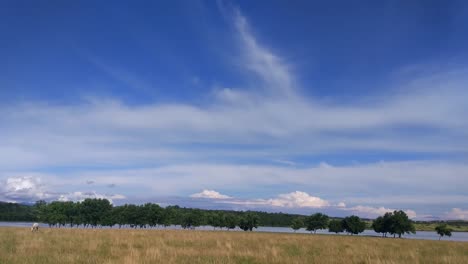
(427, 235)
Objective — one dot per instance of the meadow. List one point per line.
(19, 245)
(428, 226)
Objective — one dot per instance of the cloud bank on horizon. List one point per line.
(263, 140)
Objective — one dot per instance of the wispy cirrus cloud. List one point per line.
(268, 66)
(109, 131)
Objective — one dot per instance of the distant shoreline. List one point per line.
(417, 225)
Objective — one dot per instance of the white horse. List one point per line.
(35, 227)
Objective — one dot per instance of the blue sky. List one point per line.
(339, 107)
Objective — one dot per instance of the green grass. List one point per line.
(431, 227)
(19, 245)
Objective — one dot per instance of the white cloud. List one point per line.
(298, 199)
(209, 194)
(24, 188)
(31, 189)
(295, 199)
(270, 67)
(110, 132)
(457, 214)
(368, 211)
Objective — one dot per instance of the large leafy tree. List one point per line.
(400, 224)
(316, 221)
(249, 221)
(153, 214)
(192, 219)
(297, 224)
(216, 219)
(383, 224)
(231, 221)
(378, 225)
(354, 225)
(335, 226)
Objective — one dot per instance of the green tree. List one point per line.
(215, 219)
(400, 224)
(41, 210)
(231, 221)
(443, 230)
(192, 219)
(297, 224)
(378, 225)
(316, 221)
(353, 225)
(94, 210)
(249, 221)
(153, 214)
(222, 220)
(335, 226)
(383, 224)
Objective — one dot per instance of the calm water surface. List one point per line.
(427, 235)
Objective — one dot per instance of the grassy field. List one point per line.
(19, 245)
(431, 227)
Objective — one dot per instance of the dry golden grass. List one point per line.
(19, 245)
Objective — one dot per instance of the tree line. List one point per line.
(100, 213)
(17, 212)
(55, 213)
(95, 213)
(395, 223)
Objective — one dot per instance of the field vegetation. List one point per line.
(65, 245)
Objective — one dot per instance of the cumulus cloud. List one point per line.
(298, 199)
(341, 204)
(368, 211)
(210, 194)
(457, 214)
(31, 189)
(24, 188)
